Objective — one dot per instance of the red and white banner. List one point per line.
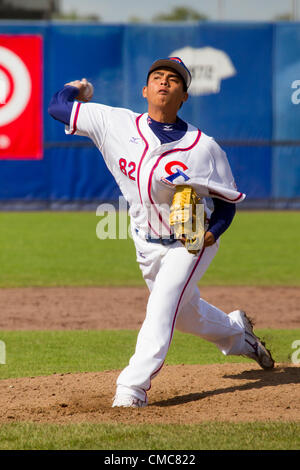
(21, 126)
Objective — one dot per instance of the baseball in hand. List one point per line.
(87, 91)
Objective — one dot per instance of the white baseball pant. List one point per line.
(172, 274)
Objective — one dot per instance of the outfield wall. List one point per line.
(245, 94)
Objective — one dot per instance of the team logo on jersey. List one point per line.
(208, 66)
(175, 170)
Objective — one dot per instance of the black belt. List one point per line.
(162, 241)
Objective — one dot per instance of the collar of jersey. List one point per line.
(154, 142)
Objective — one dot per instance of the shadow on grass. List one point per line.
(277, 376)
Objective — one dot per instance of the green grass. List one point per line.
(57, 249)
(34, 353)
(205, 436)
(62, 249)
(259, 248)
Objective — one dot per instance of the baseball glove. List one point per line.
(187, 218)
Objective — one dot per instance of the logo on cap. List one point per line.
(177, 59)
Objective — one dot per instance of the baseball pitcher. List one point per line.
(166, 168)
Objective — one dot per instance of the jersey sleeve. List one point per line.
(221, 217)
(61, 104)
(221, 183)
(89, 120)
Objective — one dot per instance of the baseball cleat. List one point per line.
(256, 348)
(128, 401)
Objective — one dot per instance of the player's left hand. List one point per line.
(209, 239)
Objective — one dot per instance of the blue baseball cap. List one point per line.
(174, 63)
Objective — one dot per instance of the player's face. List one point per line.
(165, 89)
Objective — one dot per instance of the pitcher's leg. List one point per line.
(200, 318)
(173, 285)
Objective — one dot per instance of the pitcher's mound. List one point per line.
(180, 394)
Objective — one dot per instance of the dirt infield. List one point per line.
(117, 308)
(179, 394)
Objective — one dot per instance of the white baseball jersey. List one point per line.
(147, 171)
